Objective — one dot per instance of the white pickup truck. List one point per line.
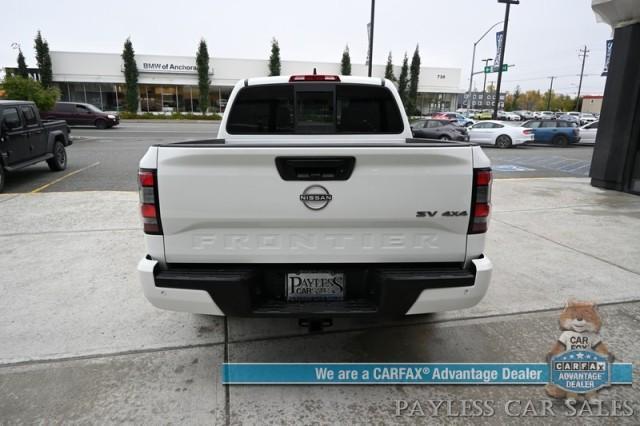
(315, 202)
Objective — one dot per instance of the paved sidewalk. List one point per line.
(80, 342)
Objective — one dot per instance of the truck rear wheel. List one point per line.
(59, 160)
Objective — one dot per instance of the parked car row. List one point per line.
(557, 132)
(487, 114)
(580, 118)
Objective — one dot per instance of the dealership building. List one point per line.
(170, 83)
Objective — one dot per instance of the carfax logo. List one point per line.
(579, 360)
(580, 371)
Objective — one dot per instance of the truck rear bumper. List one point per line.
(256, 290)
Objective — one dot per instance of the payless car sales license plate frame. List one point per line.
(308, 286)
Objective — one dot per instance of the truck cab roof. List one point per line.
(314, 78)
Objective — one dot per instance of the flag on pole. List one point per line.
(496, 61)
(607, 57)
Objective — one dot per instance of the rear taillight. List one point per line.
(527, 131)
(481, 201)
(148, 189)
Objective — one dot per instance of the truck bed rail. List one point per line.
(221, 143)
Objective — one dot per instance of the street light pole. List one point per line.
(484, 84)
(373, 12)
(503, 48)
(473, 60)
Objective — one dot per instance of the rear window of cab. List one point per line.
(314, 108)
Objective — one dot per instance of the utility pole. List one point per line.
(373, 12)
(550, 88)
(484, 85)
(583, 53)
(504, 46)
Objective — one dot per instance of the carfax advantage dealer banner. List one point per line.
(581, 372)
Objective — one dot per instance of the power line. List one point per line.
(565, 69)
(544, 78)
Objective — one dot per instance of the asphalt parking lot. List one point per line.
(107, 160)
(79, 343)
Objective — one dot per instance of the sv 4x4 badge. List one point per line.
(447, 213)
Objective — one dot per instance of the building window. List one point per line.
(106, 96)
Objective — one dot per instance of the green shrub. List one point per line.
(26, 89)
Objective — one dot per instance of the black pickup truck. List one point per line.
(25, 139)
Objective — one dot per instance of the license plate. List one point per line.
(306, 286)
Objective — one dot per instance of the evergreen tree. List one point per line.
(44, 60)
(274, 59)
(22, 65)
(130, 77)
(202, 64)
(515, 99)
(403, 81)
(345, 67)
(388, 71)
(413, 81)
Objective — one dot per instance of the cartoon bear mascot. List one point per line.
(580, 324)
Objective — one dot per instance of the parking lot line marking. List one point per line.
(576, 167)
(53, 182)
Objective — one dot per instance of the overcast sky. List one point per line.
(544, 36)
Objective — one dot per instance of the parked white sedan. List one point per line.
(588, 132)
(499, 134)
